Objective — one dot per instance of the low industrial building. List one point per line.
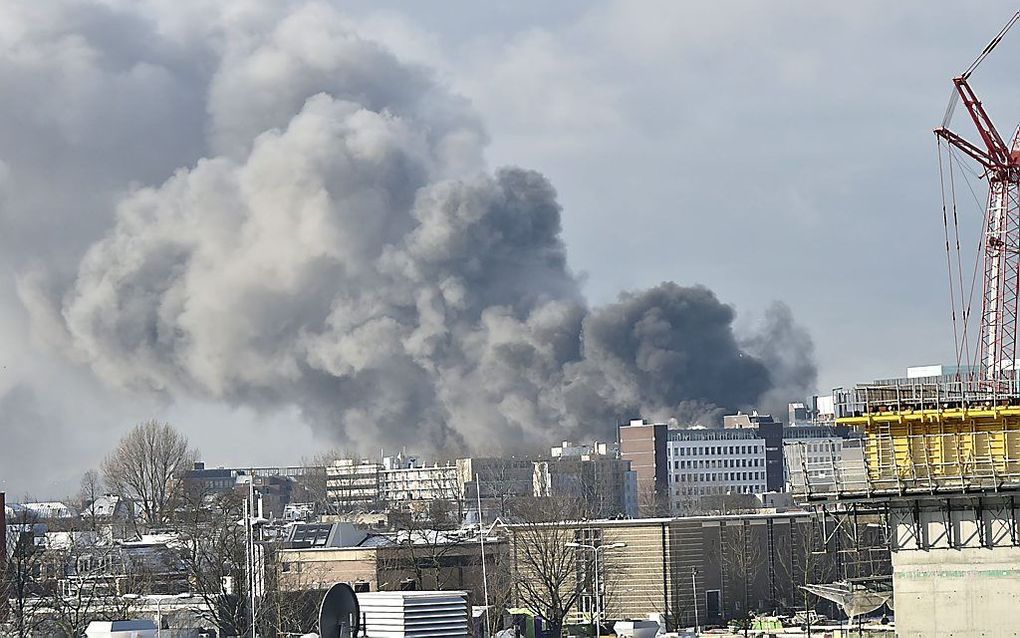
(722, 566)
(315, 556)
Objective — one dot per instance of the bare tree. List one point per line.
(422, 548)
(314, 484)
(742, 559)
(653, 501)
(549, 576)
(800, 561)
(23, 579)
(91, 490)
(147, 466)
(293, 612)
(441, 504)
(504, 480)
(499, 573)
(91, 579)
(212, 552)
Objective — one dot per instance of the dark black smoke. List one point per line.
(674, 348)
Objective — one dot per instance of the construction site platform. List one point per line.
(918, 439)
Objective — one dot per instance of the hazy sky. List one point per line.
(767, 150)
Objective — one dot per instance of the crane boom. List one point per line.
(998, 152)
(1000, 303)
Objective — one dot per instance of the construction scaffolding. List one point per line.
(917, 438)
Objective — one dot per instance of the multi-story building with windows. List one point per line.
(676, 467)
(594, 475)
(706, 462)
(495, 477)
(354, 484)
(405, 479)
(771, 431)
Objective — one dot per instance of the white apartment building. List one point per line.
(708, 462)
(353, 484)
(413, 482)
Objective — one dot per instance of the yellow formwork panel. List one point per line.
(942, 447)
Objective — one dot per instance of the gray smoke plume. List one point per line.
(332, 240)
(788, 352)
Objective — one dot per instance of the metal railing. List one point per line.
(886, 464)
(826, 473)
(907, 394)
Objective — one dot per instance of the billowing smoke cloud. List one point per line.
(334, 241)
(788, 352)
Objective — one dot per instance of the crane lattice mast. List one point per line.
(997, 335)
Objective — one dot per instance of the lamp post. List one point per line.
(481, 542)
(159, 598)
(597, 616)
(252, 523)
(694, 586)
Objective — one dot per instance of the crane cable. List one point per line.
(991, 45)
(978, 252)
(954, 96)
(949, 260)
(962, 309)
(966, 305)
(956, 163)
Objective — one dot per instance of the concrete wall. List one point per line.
(956, 567)
(957, 592)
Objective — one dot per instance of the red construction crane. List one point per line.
(997, 339)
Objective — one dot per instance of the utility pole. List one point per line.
(251, 523)
(481, 539)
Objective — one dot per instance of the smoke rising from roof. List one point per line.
(310, 222)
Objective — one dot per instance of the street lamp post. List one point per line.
(597, 616)
(694, 585)
(253, 560)
(159, 598)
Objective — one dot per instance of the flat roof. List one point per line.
(623, 522)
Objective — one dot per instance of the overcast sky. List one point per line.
(767, 150)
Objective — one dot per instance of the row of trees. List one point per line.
(56, 582)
